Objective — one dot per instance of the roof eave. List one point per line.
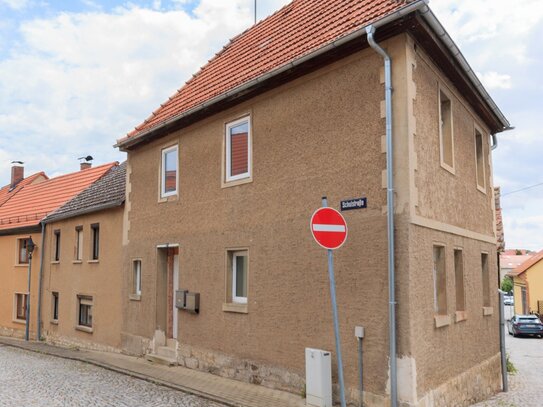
(418, 5)
(110, 205)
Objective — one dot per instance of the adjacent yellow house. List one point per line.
(528, 285)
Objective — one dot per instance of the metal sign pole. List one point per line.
(336, 323)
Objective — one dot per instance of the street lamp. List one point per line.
(30, 246)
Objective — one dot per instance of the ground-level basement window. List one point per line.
(84, 311)
(20, 306)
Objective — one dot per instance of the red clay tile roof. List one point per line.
(33, 202)
(6, 192)
(295, 30)
(527, 264)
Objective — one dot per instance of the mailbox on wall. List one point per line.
(188, 301)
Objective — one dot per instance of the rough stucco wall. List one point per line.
(442, 353)
(304, 146)
(102, 280)
(452, 199)
(15, 280)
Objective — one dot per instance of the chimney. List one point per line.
(86, 163)
(17, 172)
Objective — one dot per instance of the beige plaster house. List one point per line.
(223, 178)
(82, 266)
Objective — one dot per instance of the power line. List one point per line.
(523, 189)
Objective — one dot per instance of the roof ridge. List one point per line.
(536, 258)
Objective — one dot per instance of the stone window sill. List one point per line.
(233, 307)
(134, 297)
(93, 261)
(460, 316)
(55, 262)
(488, 311)
(21, 265)
(84, 328)
(19, 321)
(54, 322)
(77, 262)
(442, 320)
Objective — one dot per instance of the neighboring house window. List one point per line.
(486, 280)
(55, 306)
(137, 277)
(446, 131)
(238, 276)
(459, 280)
(168, 174)
(56, 242)
(84, 311)
(238, 149)
(20, 306)
(79, 243)
(22, 251)
(440, 281)
(479, 160)
(95, 236)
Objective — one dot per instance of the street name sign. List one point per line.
(329, 228)
(357, 203)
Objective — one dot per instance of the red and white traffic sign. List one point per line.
(329, 228)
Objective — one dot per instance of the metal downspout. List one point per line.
(370, 30)
(40, 278)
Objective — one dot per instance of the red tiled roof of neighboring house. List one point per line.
(295, 30)
(527, 264)
(512, 261)
(33, 202)
(7, 192)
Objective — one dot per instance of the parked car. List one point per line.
(508, 300)
(525, 325)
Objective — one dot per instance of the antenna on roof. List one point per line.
(255, 11)
(87, 158)
(17, 162)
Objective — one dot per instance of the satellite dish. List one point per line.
(87, 158)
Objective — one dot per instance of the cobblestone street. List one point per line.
(525, 386)
(30, 379)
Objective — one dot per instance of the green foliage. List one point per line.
(303, 392)
(518, 252)
(507, 284)
(511, 369)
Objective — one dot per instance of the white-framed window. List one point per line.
(238, 149)
(480, 160)
(78, 243)
(239, 270)
(84, 311)
(136, 267)
(446, 135)
(19, 306)
(22, 251)
(169, 177)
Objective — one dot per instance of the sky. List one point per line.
(76, 75)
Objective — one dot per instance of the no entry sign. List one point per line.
(328, 228)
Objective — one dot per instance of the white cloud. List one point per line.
(15, 4)
(75, 83)
(494, 80)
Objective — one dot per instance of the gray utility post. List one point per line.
(30, 246)
(336, 323)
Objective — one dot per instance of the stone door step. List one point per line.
(162, 360)
(167, 352)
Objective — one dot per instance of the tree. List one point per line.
(507, 284)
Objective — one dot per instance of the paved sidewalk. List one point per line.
(230, 392)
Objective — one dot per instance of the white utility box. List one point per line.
(318, 377)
